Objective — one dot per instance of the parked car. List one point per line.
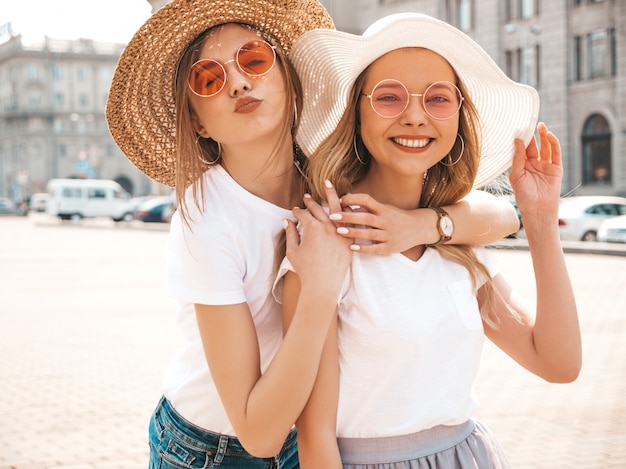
(580, 217)
(73, 199)
(39, 201)
(155, 210)
(7, 207)
(613, 230)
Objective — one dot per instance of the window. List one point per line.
(464, 12)
(596, 148)
(460, 13)
(527, 8)
(96, 193)
(597, 54)
(58, 99)
(522, 65)
(33, 73)
(83, 74)
(520, 9)
(57, 73)
(34, 99)
(72, 192)
(612, 51)
(577, 59)
(594, 55)
(529, 66)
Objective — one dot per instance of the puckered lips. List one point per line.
(247, 104)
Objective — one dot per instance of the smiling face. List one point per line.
(248, 108)
(407, 145)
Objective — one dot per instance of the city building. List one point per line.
(52, 94)
(52, 124)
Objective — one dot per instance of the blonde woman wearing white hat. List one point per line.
(204, 99)
(422, 115)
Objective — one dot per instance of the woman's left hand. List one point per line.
(536, 176)
(376, 228)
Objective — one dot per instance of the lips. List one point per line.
(411, 142)
(247, 104)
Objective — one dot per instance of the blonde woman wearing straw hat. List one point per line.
(414, 113)
(205, 99)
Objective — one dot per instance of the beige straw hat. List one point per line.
(329, 63)
(140, 108)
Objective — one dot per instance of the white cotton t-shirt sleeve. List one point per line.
(205, 263)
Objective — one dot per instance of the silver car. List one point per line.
(613, 230)
(580, 217)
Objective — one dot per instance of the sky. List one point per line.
(101, 20)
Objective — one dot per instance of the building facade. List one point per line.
(52, 95)
(52, 122)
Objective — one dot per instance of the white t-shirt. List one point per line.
(227, 257)
(410, 340)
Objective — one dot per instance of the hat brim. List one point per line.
(329, 62)
(140, 108)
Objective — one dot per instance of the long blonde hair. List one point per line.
(336, 159)
(191, 151)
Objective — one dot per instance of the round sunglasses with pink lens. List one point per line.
(441, 100)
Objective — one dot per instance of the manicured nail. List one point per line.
(343, 230)
(355, 247)
(328, 184)
(335, 216)
(285, 223)
(307, 195)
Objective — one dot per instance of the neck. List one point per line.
(399, 191)
(265, 172)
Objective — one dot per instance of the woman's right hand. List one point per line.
(317, 253)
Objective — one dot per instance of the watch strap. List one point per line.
(443, 238)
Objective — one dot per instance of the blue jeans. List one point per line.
(178, 444)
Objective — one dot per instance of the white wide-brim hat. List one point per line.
(330, 61)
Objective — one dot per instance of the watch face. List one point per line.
(447, 226)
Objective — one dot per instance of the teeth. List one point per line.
(412, 143)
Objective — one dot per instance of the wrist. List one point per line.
(444, 226)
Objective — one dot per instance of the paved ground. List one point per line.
(86, 331)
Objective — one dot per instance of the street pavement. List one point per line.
(86, 332)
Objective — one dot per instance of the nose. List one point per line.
(237, 81)
(414, 114)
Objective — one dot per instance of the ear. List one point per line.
(198, 127)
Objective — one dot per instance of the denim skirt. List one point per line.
(467, 446)
(176, 443)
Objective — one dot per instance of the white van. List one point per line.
(73, 199)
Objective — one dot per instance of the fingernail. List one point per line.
(355, 247)
(285, 223)
(328, 184)
(335, 216)
(307, 196)
(343, 230)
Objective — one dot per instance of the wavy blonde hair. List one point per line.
(336, 160)
(191, 150)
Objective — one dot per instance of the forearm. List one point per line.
(481, 218)
(317, 441)
(556, 334)
(279, 396)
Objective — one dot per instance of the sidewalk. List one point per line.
(86, 333)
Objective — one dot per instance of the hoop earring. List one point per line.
(295, 114)
(213, 162)
(450, 163)
(356, 151)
